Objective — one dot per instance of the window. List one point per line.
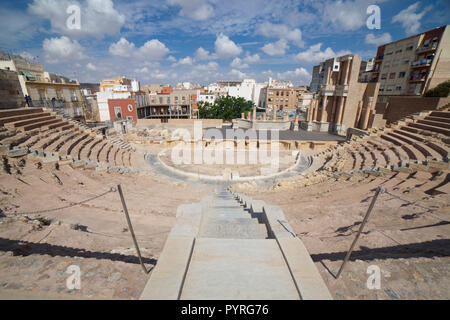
(398, 51)
(398, 88)
(392, 75)
(381, 88)
(389, 53)
(409, 48)
(118, 112)
(401, 74)
(384, 76)
(389, 88)
(406, 61)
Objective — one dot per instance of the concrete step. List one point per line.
(238, 269)
(430, 128)
(435, 123)
(22, 117)
(231, 229)
(18, 112)
(23, 123)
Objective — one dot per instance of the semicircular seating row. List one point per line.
(37, 129)
(418, 140)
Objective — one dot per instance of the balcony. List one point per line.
(378, 58)
(417, 78)
(421, 63)
(424, 48)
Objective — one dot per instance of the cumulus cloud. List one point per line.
(98, 17)
(202, 54)
(410, 19)
(237, 64)
(380, 40)
(298, 75)
(151, 50)
(91, 67)
(281, 31)
(58, 50)
(187, 61)
(195, 9)
(226, 48)
(207, 67)
(122, 48)
(171, 58)
(314, 55)
(27, 55)
(276, 48)
(346, 15)
(237, 74)
(251, 58)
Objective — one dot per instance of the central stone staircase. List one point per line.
(226, 218)
(231, 247)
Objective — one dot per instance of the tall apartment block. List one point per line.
(341, 100)
(288, 99)
(413, 65)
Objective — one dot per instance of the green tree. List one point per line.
(441, 90)
(225, 108)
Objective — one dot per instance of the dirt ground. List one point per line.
(407, 235)
(37, 248)
(407, 240)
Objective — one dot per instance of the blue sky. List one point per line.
(169, 41)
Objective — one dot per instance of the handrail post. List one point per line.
(130, 227)
(347, 256)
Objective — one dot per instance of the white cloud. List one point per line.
(91, 67)
(141, 70)
(409, 19)
(346, 15)
(380, 40)
(196, 9)
(62, 49)
(237, 64)
(281, 31)
(314, 55)
(187, 61)
(251, 58)
(237, 74)
(27, 55)
(122, 48)
(276, 48)
(202, 54)
(207, 67)
(98, 17)
(151, 50)
(300, 75)
(171, 59)
(226, 48)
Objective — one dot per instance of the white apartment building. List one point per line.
(248, 89)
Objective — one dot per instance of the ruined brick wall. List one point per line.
(400, 107)
(11, 96)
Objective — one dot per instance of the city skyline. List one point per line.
(203, 41)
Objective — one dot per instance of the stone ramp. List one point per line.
(232, 247)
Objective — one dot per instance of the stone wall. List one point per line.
(148, 122)
(11, 96)
(400, 107)
(206, 123)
